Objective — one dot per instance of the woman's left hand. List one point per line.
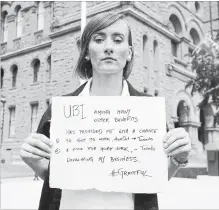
(177, 143)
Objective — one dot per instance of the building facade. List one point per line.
(39, 50)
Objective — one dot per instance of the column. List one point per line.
(198, 155)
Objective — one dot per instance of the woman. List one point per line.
(106, 59)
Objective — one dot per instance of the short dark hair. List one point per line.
(97, 23)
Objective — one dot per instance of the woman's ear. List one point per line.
(129, 57)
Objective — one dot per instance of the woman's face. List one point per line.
(109, 50)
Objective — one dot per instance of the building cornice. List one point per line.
(212, 129)
(11, 18)
(183, 71)
(185, 7)
(75, 27)
(75, 20)
(152, 24)
(191, 123)
(25, 50)
(186, 40)
(208, 21)
(25, 9)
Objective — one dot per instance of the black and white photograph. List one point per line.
(109, 105)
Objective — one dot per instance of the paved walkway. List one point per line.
(201, 193)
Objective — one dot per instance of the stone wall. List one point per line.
(59, 39)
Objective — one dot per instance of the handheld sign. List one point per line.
(108, 143)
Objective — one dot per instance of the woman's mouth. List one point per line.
(109, 59)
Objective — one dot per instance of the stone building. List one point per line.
(39, 50)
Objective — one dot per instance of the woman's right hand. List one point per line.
(35, 148)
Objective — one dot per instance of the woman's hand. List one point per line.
(177, 143)
(35, 148)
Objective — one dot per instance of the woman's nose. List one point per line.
(108, 47)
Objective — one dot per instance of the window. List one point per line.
(174, 21)
(145, 51)
(11, 122)
(36, 67)
(145, 89)
(34, 118)
(14, 71)
(40, 16)
(49, 67)
(197, 6)
(47, 103)
(18, 22)
(174, 47)
(5, 27)
(156, 93)
(155, 56)
(194, 36)
(177, 29)
(2, 77)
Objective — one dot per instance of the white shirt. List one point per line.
(94, 199)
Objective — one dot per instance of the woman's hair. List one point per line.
(97, 23)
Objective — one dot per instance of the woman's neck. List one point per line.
(106, 85)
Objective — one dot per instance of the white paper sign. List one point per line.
(108, 143)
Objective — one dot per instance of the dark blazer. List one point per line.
(50, 197)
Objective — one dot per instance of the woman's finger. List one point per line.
(174, 130)
(43, 138)
(179, 150)
(175, 136)
(29, 156)
(35, 151)
(38, 143)
(176, 144)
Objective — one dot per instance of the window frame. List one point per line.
(34, 119)
(11, 123)
(19, 22)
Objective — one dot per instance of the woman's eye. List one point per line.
(118, 40)
(98, 40)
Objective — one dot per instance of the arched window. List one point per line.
(174, 20)
(18, 21)
(14, 71)
(5, 26)
(155, 55)
(49, 67)
(40, 16)
(145, 51)
(197, 6)
(194, 36)
(36, 67)
(2, 77)
(177, 28)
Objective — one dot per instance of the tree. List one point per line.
(205, 62)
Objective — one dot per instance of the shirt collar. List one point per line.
(86, 90)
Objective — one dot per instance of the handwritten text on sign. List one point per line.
(108, 143)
